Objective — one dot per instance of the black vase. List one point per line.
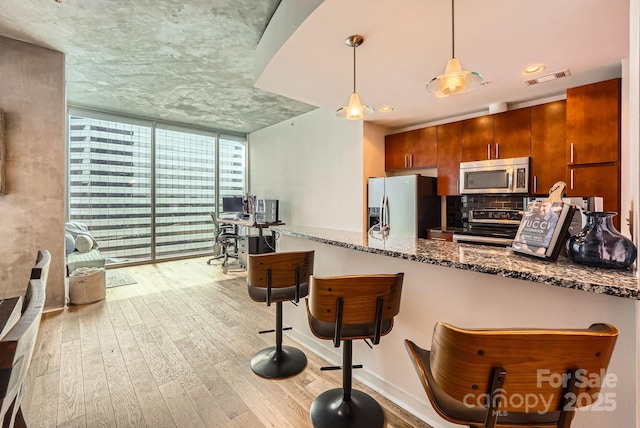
(600, 244)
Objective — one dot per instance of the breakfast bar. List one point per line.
(473, 286)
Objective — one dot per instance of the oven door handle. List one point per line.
(481, 239)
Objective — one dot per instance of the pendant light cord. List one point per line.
(354, 69)
(453, 43)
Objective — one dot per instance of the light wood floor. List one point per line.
(172, 350)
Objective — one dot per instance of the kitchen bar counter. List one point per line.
(471, 286)
(490, 260)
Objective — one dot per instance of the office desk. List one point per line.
(250, 223)
(252, 244)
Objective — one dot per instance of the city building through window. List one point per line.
(145, 189)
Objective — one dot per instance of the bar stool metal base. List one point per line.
(329, 410)
(271, 364)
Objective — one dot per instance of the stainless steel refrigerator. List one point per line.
(403, 206)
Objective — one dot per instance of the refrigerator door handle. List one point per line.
(385, 221)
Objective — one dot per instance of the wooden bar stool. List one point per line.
(513, 377)
(278, 277)
(342, 309)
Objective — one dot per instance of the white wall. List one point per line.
(314, 165)
(32, 95)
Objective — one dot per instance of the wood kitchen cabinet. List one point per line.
(449, 158)
(593, 143)
(597, 180)
(412, 149)
(548, 137)
(512, 134)
(593, 123)
(395, 151)
(477, 138)
(499, 136)
(440, 235)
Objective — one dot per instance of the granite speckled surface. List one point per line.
(477, 258)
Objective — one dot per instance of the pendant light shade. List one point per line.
(454, 80)
(355, 110)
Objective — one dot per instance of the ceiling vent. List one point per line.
(548, 77)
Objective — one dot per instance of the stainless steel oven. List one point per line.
(500, 176)
(496, 227)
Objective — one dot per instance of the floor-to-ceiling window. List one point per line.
(146, 189)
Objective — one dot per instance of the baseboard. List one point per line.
(56, 309)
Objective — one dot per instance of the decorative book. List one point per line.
(543, 229)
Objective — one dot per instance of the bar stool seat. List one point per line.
(279, 277)
(343, 309)
(513, 377)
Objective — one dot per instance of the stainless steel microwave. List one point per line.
(495, 176)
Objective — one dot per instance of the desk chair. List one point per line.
(342, 309)
(489, 378)
(278, 277)
(16, 347)
(225, 241)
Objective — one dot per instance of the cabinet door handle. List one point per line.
(571, 180)
(458, 185)
(535, 184)
(497, 150)
(488, 151)
(437, 239)
(571, 161)
(411, 161)
(405, 161)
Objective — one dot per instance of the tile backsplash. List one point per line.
(458, 206)
(454, 212)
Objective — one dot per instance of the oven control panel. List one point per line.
(506, 216)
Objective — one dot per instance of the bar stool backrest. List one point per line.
(523, 377)
(277, 271)
(359, 293)
(534, 361)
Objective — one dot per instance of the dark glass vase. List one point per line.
(600, 244)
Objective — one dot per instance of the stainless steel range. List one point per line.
(495, 227)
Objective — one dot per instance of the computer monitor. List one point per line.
(232, 204)
(267, 211)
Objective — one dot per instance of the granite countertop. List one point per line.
(478, 258)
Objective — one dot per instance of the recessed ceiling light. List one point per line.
(386, 109)
(533, 69)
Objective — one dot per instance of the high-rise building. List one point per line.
(147, 190)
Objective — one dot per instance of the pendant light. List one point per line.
(454, 80)
(355, 110)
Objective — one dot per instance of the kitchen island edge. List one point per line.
(490, 260)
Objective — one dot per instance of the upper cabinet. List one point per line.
(548, 163)
(577, 140)
(477, 139)
(512, 134)
(498, 136)
(412, 149)
(449, 158)
(593, 123)
(395, 151)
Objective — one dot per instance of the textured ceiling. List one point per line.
(187, 62)
(192, 61)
